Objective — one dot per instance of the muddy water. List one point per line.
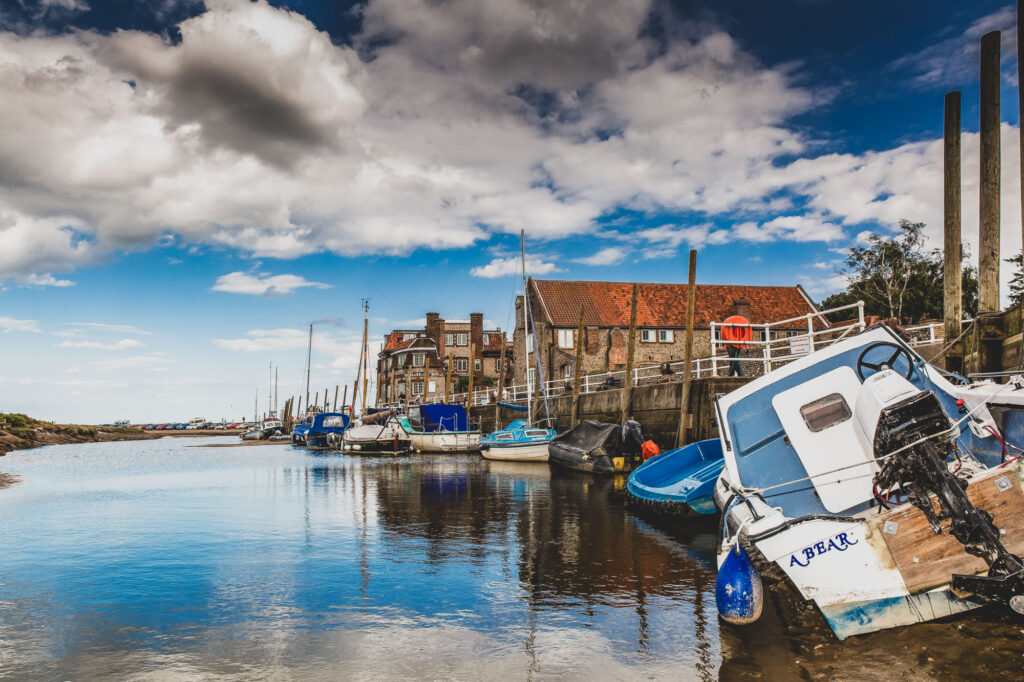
(155, 560)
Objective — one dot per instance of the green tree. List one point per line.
(1017, 282)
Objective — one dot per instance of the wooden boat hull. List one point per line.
(446, 441)
(520, 452)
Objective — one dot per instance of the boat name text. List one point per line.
(841, 542)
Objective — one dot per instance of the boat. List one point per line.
(253, 434)
(379, 433)
(598, 448)
(327, 431)
(874, 488)
(681, 481)
(440, 428)
(300, 430)
(518, 442)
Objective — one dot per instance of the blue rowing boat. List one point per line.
(681, 481)
(518, 442)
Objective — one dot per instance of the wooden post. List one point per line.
(316, 400)
(344, 397)
(1020, 114)
(299, 411)
(394, 396)
(988, 222)
(472, 366)
(953, 303)
(501, 382)
(575, 409)
(335, 398)
(685, 416)
(448, 380)
(627, 394)
(426, 377)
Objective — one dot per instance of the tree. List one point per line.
(896, 278)
(1017, 283)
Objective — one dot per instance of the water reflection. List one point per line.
(157, 559)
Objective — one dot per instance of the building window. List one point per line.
(647, 335)
(409, 336)
(463, 339)
(531, 380)
(487, 340)
(529, 343)
(565, 338)
(449, 339)
(400, 387)
(665, 336)
(476, 365)
(417, 388)
(418, 359)
(566, 371)
(461, 364)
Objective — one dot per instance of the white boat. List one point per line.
(517, 442)
(379, 433)
(440, 428)
(834, 466)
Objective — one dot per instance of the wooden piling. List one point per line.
(448, 380)
(953, 250)
(575, 415)
(627, 393)
(1020, 117)
(501, 384)
(316, 400)
(472, 374)
(685, 416)
(344, 397)
(335, 409)
(426, 377)
(988, 223)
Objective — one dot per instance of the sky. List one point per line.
(186, 185)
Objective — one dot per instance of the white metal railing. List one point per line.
(771, 345)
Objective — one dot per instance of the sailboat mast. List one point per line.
(526, 330)
(309, 358)
(366, 347)
(275, 394)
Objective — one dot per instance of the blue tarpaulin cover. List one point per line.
(443, 418)
(510, 406)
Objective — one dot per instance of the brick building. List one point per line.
(661, 321)
(471, 348)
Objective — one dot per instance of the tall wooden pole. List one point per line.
(344, 397)
(394, 396)
(501, 383)
(575, 416)
(1020, 113)
(335, 398)
(472, 366)
(953, 303)
(316, 401)
(988, 223)
(627, 394)
(448, 380)
(426, 377)
(685, 416)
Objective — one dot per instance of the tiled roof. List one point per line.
(606, 304)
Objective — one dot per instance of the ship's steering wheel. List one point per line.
(897, 352)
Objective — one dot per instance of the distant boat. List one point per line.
(326, 431)
(380, 433)
(440, 428)
(518, 442)
(268, 429)
(597, 448)
(681, 481)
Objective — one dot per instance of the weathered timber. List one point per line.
(627, 380)
(952, 248)
(988, 218)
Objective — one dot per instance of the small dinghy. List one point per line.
(327, 431)
(517, 442)
(681, 481)
(597, 448)
(381, 433)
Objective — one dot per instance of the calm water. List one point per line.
(156, 560)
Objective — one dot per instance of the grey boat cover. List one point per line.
(590, 435)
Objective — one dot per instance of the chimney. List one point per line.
(741, 307)
(476, 336)
(435, 331)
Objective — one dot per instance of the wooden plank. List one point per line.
(926, 560)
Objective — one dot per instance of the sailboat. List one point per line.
(520, 441)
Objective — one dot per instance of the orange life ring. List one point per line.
(737, 336)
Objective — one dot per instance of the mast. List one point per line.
(275, 394)
(309, 357)
(526, 336)
(366, 347)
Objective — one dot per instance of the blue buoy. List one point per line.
(738, 593)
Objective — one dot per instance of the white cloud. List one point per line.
(607, 256)
(123, 344)
(259, 340)
(10, 324)
(119, 328)
(790, 228)
(501, 267)
(43, 280)
(263, 285)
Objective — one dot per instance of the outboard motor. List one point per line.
(633, 440)
(919, 429)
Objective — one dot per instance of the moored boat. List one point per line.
(517, 442)
(598, 448)
(873, 486)
(379, 433)
(440, 428)
(327, 430)
(681, 481)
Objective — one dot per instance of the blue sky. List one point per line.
(185, 186)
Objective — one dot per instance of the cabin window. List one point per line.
(503, 436)
(417, 388)
(825, 412)
(462, 364)
(565, 338)
(529, 343)
(418, 359)
(536, 433)
(463, 339)
(647, 335)
(665, 336)
(449, 339)
(334, 421)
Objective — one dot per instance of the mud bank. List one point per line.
(18, 432)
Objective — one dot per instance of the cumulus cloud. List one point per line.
(45, 280)
(501, 267)
(610, 255)
(119, 328)
(123, 344)
(263, 285)
(10, 324)
(258, 340)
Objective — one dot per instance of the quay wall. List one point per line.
(655, 406)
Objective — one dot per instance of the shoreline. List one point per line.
(8, 480)
(42, 437)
